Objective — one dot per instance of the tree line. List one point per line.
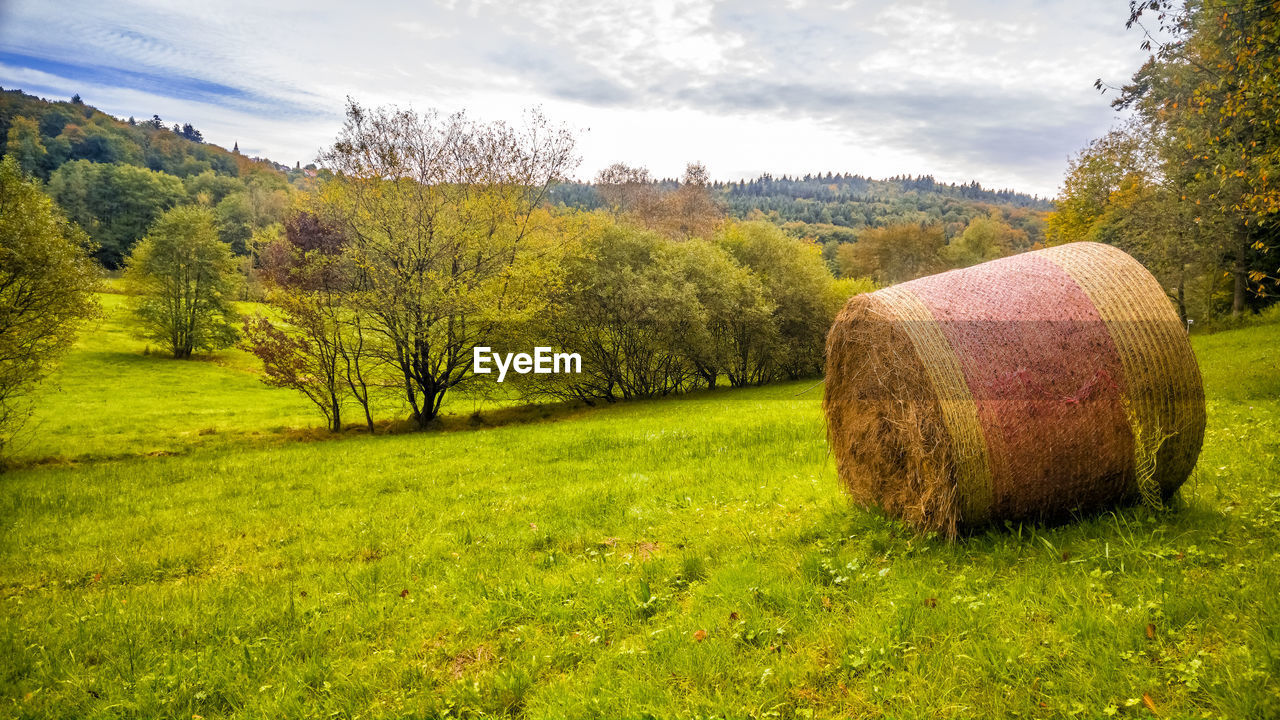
(435, 235)
(834, 208)
(427, 236)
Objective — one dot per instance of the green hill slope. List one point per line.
(114, 177)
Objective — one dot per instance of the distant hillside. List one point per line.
(114, 177)
(836, 206)
(71, 130)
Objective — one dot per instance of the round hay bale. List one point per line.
(1019, 389)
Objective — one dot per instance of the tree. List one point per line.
(620, 308)
(183, 279)
(1093, 176)
(46, 290)
(628, 191)
(691, 210)
(893, 254)
(209, 188)
(728, 317)
(1211, 94)
(321, 348)
(801, 292)
(25, 146)
(1116, 191)
(234, 214)
(983, 239)
(1146, 219)
(302, 358)
(444, 218)
(115, 203)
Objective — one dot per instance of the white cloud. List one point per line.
(994, 90)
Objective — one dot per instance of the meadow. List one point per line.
(118, 396)
(177, 543)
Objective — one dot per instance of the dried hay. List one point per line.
(1022, 388)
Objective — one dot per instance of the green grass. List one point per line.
(117, 396)
(685, 557)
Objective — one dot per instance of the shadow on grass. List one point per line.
(208, 437)
(1186, 519)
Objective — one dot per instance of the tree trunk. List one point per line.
(336, 418)
(1240, 269)
(1182, 296)
(431, 398)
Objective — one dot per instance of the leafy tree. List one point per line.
(628, 191)
(1093, 176)
(209, 187)
(183, 279)
(728, 327)
(321, 348)
(46, 290)
(268, 195)
(1210, 95)
(621, 309)
(691, 210)
(893, 254)
(53, 120)
(799, 288)
(25, 146)
(443, 217)
(115, 203)
(99, 144)
(1147, 220)
(235, 221)
(1117, 192)
(985, 238)
(303, 357)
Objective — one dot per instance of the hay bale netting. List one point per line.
(1019, 389)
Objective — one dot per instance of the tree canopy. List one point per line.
(1190, 186)
(183, 279)
(46, 290)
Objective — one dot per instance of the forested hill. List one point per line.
(840, 204)
(114, 177)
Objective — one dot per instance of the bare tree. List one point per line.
(688, 211)
(628, 191)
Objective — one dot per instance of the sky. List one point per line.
(998, 91)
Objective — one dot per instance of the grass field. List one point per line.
(116, 396)
(689, 557)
